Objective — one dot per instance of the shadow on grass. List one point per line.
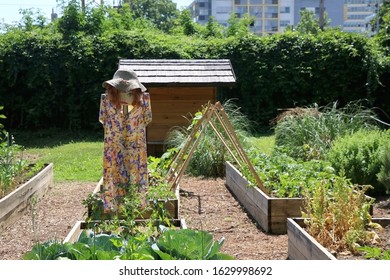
(54, 137)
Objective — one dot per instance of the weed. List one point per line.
(337, 215)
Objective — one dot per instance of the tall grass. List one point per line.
(308, 133)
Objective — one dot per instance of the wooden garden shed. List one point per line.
(178, 89)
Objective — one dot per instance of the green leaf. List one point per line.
(187, 244)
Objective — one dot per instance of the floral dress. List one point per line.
(124, 150)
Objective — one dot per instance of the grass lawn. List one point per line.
(78, 161)
(264, 143)
(78, 156)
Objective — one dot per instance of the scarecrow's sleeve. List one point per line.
(147, 108)
(103, 110)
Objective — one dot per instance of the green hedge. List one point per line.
(50, 77)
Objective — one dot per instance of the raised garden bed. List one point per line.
(79, 226)
(303, 246)
(171, 205)
(15, 203)
(269, 212)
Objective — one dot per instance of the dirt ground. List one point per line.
(204, 204)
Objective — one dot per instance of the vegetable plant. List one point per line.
(13, 169)
(170, 244)
(284, 176)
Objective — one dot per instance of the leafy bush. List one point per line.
(384, 173)
(358, 157)
(308, 133)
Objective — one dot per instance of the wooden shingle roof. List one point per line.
(181, 72)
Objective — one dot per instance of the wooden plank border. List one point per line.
(302, 246)
(271, 213)
(15, 203)
(171, 205)
(79, 226)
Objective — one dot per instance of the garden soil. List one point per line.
(204, 204)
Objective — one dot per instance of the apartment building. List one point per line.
(274, 16)
(265, 12)
(359, 13)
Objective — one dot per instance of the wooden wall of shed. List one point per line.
(170, 107)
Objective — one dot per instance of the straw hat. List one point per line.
(125, 80)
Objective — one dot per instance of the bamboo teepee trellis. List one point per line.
(213, 115)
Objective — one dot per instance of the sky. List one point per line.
(9, 9)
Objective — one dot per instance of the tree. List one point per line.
(308, 23)
(185, 25)
(160, 12)
(239, 26)
(383, 35)
(73, 19)
(213, 28)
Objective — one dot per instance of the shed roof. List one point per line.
(181, 72)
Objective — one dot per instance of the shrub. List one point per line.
(384, 173)
(358, 157)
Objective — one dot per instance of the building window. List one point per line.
(284, 10)
(241, 2)
(241, 10)
(255, 11)
(284, 23)
(271, 25)
(271, 12)
(223, 10)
